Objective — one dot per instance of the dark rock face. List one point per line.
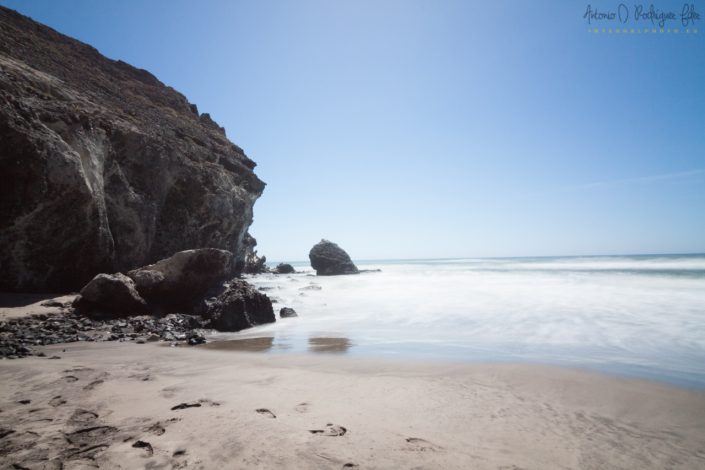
(240, 306)
(177, 283)
(284, 268)
(253, 264)
(329, 259)
(287, 312)
(104, 167)
(110, 293)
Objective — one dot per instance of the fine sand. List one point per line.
(130, 406)
(20, 305)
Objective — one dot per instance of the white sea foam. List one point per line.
(642, 315)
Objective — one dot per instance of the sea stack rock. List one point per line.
(329, 259)
(105, 168)
(284, 268)
(287, 312)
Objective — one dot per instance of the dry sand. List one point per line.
(20, 305)
(93, 405)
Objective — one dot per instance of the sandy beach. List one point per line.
(14, 305)
(128, 406)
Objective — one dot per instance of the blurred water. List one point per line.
(635, 315)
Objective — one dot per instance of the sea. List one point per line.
(639, 316)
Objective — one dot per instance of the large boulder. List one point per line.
(111, 294)
(238, 307)
(329, 259)
(105, 168)
(177, 283)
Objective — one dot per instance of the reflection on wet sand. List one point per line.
(261, 344)
(328, 345)
(316, 344)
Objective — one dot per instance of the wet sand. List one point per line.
(128, 406)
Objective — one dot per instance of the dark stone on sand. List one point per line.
(284, 268)
(240, 306)
(287, 312)
(176, 283)
(194, 338)
(113, 294)
(329, 259)
(105, 168)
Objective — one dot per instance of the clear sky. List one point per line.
(435, 128)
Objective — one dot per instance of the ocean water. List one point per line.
(632, 315)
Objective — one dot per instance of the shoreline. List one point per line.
(394, 413)
(262, 340)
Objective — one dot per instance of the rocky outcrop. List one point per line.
(240, 306)
(104, 167)
(191, 282)
(110, 293)
(19, 337)
(253, 264)
(284, 268)
(177, 283)
(329, 259)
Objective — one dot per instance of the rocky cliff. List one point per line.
(104, 168)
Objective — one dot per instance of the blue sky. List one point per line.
(408, 129)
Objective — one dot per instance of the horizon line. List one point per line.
(701, 253)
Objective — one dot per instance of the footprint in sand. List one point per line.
(156, 429)
(78, 370)
(421, 445)
(265, 412)
(195, 404)
(179, 458)
(169, 392)
(82, 417)
(159, 428)
(351, 465)
(71, 378)
(302, 407)
(93, 385)
(183, 406)
(146, 446)
(332, 430)
(91, 436)
(142, 377)
(57, 401)
(208, 401)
